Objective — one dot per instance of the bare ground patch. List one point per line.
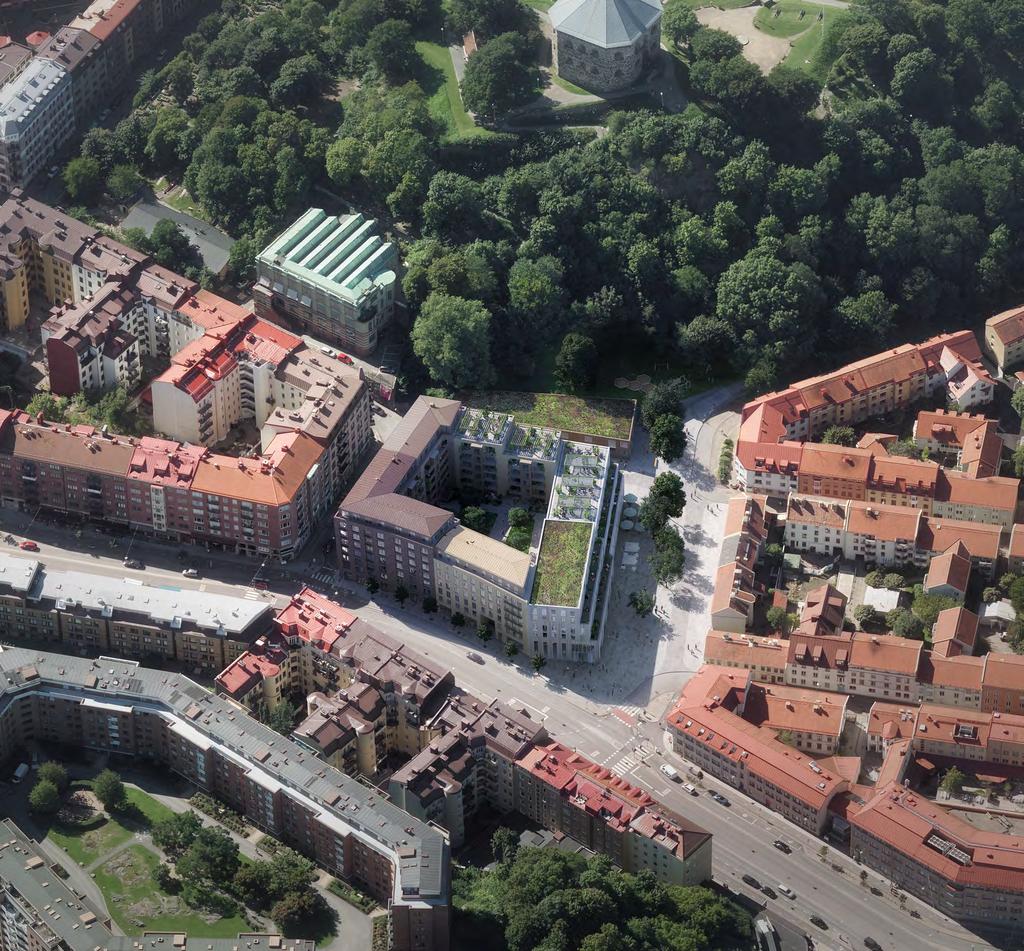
(764, 51)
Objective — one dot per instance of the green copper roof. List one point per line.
(341, 255)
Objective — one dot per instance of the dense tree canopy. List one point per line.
(546, 900)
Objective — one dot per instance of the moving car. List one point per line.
(769, 891)
(690, 788)
(782, 846)
(27, 545)
(190, 573)
(872, 944)
(819, 922)
(475, 657)
(719, 798)
(787, 891)
(669, 771)
(751, 881)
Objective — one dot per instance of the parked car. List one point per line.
(345, 358)
(751, 881)
(769, 891)
(787, 891)
(260, 585)
(134, 564)
(27, 545)
(20, 773)
(782, 846)
(669, 771)
(690, 788)
(719, 798)
(191, 573)
(819, 922)
(872, 944)
(475, 657)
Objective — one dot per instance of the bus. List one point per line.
(767, 937)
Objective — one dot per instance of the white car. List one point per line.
(669, 771)
(690, 788)
(786, 890)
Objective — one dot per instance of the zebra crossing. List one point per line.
(323, 576)
(627, 758)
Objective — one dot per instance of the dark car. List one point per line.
(751, 881)
(782, 846)
(134, 564)
(720, 799)
(769, 891)
(475, 657)
(872, 944)
(819, 922)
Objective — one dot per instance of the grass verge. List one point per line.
(441, 85)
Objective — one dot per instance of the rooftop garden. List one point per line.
(561, 562)
(533, 441)
(483, 425)
(609, 418)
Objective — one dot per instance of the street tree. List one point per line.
(665, 500)
(668, 438)
(663, 399)
(668, 558)
(642, 602)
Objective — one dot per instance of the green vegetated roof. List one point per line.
(610, 418)
(560, 563)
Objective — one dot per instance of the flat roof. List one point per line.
(486, 555)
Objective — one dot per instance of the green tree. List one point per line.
(668, 438)
(778, 620)
(663, 399)
(44, 798)
(725, 458)
(714, 45)
(1017, 462)
(904, 623)
(391, 49)
(678, 22)
(535, 294)
(1015, 592)
(109, 790)
(865, 615)
(176, 833)
(504, 845)
(839, 436)
(519, 518)
(252, 884)
(953, 781)
(928, 606)
(485, 631)
(642, 602)
(665, 500)
(54, 772)
(212, 857)
(372, 585)
(429, 604)
(282, 716)
(668, 558)
(294, 911)
(301, 81)
(289, 872)
(452, 336)
(905, 447)
(82, 178)
(500, 76)
(124, 182)
(401, 593)
(1017, 401)
(458, 619)
(511, 648)
(519, 538)
(991, 595)
(893, 580)
(476, 519)
(576, 363)
(537, 662)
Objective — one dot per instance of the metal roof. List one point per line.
(605, 23)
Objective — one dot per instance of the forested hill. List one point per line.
(768, 230)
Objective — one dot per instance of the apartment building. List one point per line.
(91, 614)
(1004, 338)
(764, 657)
(392, 529)
(747, 523)
(776, 429)
(117, 707)
(37, 117)
(954, 633)
(77, 51)
(709, 729)
(14, 57)
(39, 911)
(332, 276)
(949, 573)
(568, 793)
(971, 440)
(888, 534)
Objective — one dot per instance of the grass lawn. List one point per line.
(804, 51)
(595, 417)
(568, 86)
(560, 563)
(784, 18)
(128, 878)
(721, 4)
(440, 84)
(88, 843)
(146, 805)
(540, 5)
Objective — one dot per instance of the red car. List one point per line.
(345, 358)
(260, 585)
(28, 546)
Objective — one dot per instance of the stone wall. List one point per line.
(598, 69)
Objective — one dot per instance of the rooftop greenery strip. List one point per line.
(610, 418)
(561, 562)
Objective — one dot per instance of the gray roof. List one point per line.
(27, 92)
(214, 245)
(17, 574)
(168, 606)
(604, 23)
(418, 851)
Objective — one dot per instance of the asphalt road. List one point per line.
(609, 735)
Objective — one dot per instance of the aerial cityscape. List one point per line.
(530, 475)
